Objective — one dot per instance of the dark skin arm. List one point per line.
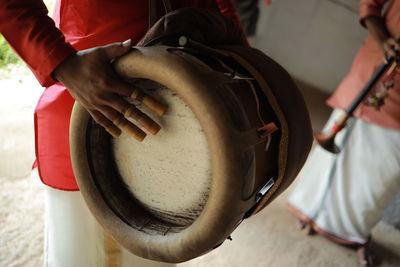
(89, 77)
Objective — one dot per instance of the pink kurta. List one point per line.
(367, 60)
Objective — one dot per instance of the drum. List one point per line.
(235, 135)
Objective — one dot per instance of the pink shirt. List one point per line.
(367, 60)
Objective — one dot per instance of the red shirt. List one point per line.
(43, 45)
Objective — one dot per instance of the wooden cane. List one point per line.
(327, 141)
(148, 101)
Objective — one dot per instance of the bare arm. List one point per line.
(90, 78)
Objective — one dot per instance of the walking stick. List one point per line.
(327, 141)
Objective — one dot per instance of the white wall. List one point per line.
(315, 40)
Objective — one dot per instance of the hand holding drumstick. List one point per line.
(91, 80)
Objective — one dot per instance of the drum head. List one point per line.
(168, 174)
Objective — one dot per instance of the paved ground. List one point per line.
(269, 239)
(21, 198)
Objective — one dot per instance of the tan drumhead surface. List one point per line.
(169, 173)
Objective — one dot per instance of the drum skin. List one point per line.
(240, 166)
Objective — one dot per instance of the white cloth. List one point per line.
(74, 238)
(346, 194)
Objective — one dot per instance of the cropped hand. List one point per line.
(92, 81)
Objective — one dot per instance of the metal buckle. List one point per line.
(263, 191)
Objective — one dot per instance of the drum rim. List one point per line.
(223, 210)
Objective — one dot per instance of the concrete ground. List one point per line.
(270, 238)
(21, 198)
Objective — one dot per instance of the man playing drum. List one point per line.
(50, 48)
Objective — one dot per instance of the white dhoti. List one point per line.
(74, 238)
(346, 194)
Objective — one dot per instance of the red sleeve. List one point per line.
(227, 8)
(34, 36)
(370, 8)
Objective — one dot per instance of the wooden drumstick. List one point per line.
(130, 129)
(150, 102)
(143, 119)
